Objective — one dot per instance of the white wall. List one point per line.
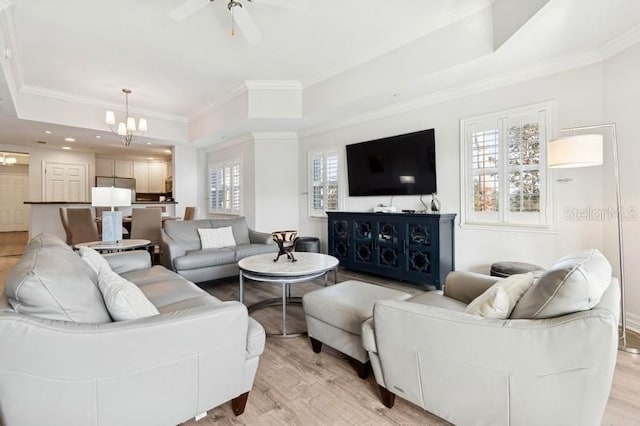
(269, 178)
(276, 183)
(186, 183)
(622, 105)
(578, 97)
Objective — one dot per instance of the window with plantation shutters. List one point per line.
(225, 188)
(324, 182)
(503, 167)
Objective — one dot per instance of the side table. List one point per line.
(114, 246)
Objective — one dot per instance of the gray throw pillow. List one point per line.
(574, 283)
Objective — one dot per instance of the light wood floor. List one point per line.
(296, 386)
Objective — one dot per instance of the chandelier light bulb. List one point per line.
(122, 129)
(142, 125)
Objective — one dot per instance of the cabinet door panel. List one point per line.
(362, 246)
(104, 167)
(141, 174)
(418, 245)
(123, 168)
(418, 266)
(156, 177)
(388, 247)
(339, 240)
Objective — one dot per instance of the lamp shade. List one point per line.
(121, 197)
(142, 126)
(110, 118)
(101, 197)
(575, 151)
(131, 124)
(110, 197)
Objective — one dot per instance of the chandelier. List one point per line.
(126, 129)
(7, 161)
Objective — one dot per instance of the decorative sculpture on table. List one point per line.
(285, 240)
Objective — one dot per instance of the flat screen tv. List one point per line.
(396, 165)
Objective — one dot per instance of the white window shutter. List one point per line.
(324, 182)
(225, 188)
(504, 167)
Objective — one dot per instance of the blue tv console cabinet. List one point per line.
(412, 247)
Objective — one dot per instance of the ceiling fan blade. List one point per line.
(289, 4)
(187, 9)
(246, 25)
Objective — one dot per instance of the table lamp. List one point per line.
(111, 220)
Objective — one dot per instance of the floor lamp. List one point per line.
(585, 150)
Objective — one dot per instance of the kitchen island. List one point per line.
(45, 215)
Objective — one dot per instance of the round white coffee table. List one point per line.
(262, 268)
(111, 246)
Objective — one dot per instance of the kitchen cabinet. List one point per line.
(156, 176)
(114, 168)
(123, 168)
(149, 176)
(417, 248)
(141, 175)
(105, 167)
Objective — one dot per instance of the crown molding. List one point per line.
(238, 140)
(251, 137)
(62, 96)
(274, 135)
(273, 85)
(517, 76)
(245, 88)
(238, 91)
(621, 42)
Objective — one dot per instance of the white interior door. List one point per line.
(14, 191)
(65, 182)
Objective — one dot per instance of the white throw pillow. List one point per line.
(499, 300)
(95, 260)
(216, 237)
(124, 300)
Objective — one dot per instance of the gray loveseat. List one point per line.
(183, 252)
(64, 362)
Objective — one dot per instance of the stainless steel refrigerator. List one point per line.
(116, 182)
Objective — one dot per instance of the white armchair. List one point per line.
(473, 371)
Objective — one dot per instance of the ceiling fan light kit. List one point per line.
(127, 129)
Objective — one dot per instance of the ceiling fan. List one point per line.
(239, 14)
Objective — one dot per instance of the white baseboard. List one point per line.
(633, 322)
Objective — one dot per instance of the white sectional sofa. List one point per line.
(65, 362)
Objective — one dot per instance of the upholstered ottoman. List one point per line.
(335, 315)
(311, 244)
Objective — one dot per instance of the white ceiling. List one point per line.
(85, 51)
